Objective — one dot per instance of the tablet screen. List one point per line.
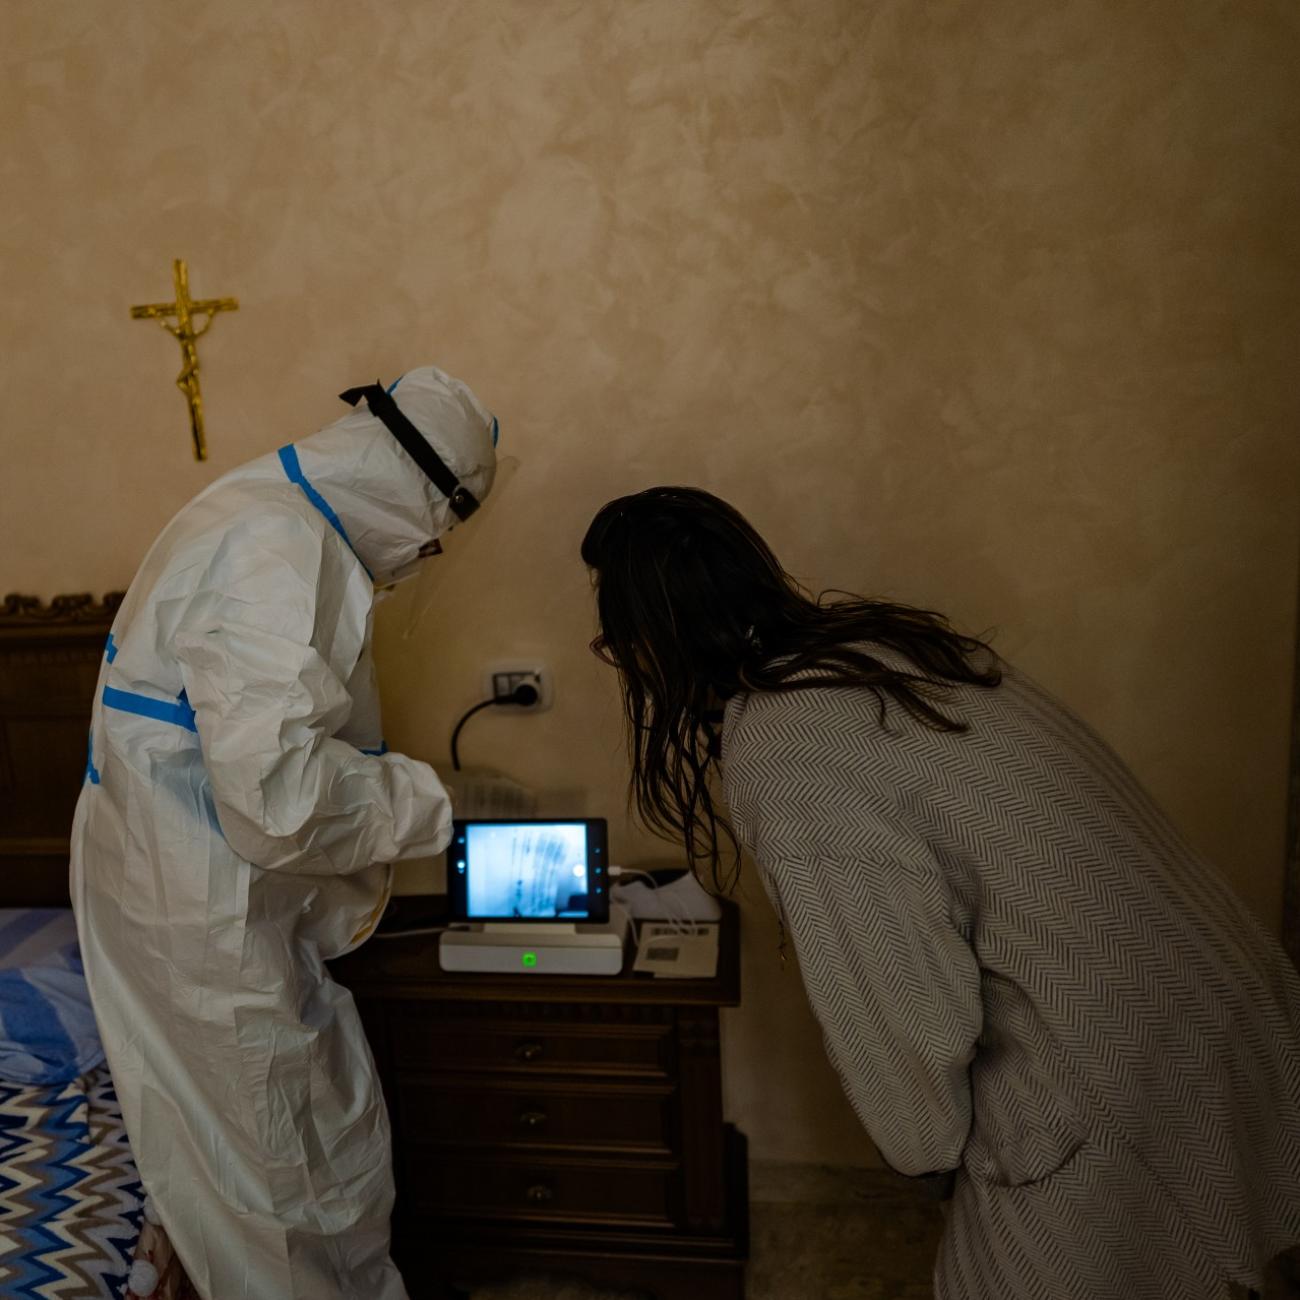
(528, 871)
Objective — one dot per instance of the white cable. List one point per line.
(683, 922)
(631, 920)
(680, 921)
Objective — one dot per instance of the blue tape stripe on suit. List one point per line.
(178, 714)
(293, 472)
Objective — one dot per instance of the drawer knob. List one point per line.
(532, 1119)
(529, 1051)
(540, 1193)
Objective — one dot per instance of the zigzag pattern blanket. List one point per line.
(70, 1198)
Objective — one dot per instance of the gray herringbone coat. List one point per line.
(1024, 973)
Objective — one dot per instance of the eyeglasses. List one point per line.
(600, 648)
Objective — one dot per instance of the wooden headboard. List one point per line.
(49, 662)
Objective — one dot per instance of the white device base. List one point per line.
(543, 949)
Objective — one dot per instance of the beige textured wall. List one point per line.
(990, 307)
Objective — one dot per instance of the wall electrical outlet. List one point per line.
(500, 680)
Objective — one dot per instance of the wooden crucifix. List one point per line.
(185, 309)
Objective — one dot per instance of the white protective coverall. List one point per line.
(235, 832)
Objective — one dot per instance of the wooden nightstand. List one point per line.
(558, 1123)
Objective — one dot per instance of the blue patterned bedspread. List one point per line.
(47, 1025)
(70, 1197)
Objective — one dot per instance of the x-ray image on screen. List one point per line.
(528, 871)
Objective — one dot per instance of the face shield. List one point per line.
(429, 574)
(385, 586)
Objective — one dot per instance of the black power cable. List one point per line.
(524, 695)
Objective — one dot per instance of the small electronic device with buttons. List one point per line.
(677, 950)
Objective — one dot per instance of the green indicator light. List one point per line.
(530, 959)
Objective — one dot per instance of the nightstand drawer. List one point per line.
(459, 1048)
(568, 1123)
(620, 1117)
(447, 1185)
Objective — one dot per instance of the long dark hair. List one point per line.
(694, 607)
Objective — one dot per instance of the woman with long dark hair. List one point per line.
(1024, 975)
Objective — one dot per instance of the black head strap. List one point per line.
(381, 403)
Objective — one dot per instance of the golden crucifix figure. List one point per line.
(184, 309)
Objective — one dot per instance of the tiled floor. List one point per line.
(821, 1233)
(816, 1234)
(840, 1234)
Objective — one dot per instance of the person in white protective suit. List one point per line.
(237, 828)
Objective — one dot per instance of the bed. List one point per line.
(74, 1219)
